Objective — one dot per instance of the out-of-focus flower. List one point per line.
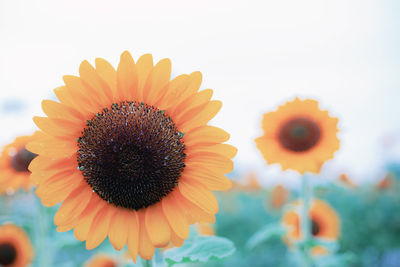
(130, 155)
(205, 229)
(324, 221)
(248, 182)
(299, 136)
(14, 162)
(279, 196)
(15, 247)
(346, 180)
(386, 182)
(101, 260)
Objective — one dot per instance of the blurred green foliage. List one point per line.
(369, 215)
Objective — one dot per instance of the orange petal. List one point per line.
(58, 127)
(195, 214)
(196, 105)
(73, 205)
(199, 195)
(94, 84)
(157, 81)
(146, 249)
(203, 117)
(99, 227)
(119, 229)
(144, 66)
(212, 161)
(205, 135)
(107, 72)
(82, 227)
(176, 240)
(175, 90)
(207, 178)
(157, 226)
(52, 147)
(127, 79)
(225, 150)
(54, 109)
(175, 216)
(133, 237)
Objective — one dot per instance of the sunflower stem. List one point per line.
(149, 263)
(305, 220)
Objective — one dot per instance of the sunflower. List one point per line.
(129, 154)
(279, 196)
(101, 260)
(15, 247)
(324, 221)
(299, 136)
(14, 162)
(346, 180)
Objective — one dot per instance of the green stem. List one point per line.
(149, 263)
(305, 220)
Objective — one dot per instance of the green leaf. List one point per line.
(200, 249)
(264, 234)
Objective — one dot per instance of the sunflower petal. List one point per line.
(99, 227)
(127, 79)
(146, 248)
(199, 195)
(157, 226)
(133, 236)
(119, 228)
(175, 216)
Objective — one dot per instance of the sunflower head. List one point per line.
(324, 221)
(298, 136)
(129, 154)
(14, 162)
(15, 247)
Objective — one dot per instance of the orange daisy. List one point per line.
(129, 154)
(299, 136)
(15, 247)
(14, 162)
(324, 221)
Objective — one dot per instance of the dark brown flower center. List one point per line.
(8, 254)
(315, 229)
(131, 154)
(21, 160)
(299, 134)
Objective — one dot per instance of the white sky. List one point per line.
(254, 54)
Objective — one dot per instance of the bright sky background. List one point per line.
(254, 54)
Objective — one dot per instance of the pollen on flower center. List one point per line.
(21, 160)
(131, 154)
(8, 254)
(299, 134)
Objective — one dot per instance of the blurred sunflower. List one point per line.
(299, 136)
(324, 221)
(346, 180)
(101, 260)
(130, 155)
(279, 196)
(205, 229)
(386, 182)
(15, 247)
(14, 162)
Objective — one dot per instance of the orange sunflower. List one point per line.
(129, 154)
(279, 196)
(101, 260)
(299, 136)
(324, 221)
(14, 162)
(15, 247)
